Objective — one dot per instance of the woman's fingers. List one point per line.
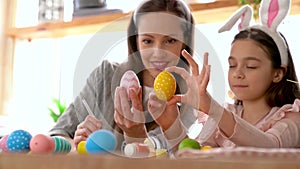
(117, 101)
(156, 107)
(135, 98)
(175, 99)
(88, 126)
(118, 118)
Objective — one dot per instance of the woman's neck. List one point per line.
(148, 79)
(254, 111)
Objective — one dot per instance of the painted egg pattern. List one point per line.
(3, 147)
(129, 80)
(164, 85)
(18, 141)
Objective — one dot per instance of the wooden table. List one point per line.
(75, 161)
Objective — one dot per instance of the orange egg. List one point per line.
(41, 143)
(164, 86)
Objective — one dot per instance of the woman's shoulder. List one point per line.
(107, 66)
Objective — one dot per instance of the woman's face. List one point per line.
(159, 40)
(250, 70)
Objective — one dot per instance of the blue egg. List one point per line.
(101, 141)
(18, 141)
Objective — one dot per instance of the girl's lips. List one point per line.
(240, 86)
(159, 65)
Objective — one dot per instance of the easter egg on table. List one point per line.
(204, 148)
(130, 80)
(189, 143)
(18, 141)
(62, 145)
(101, 141)
(3, 146)
(41, 143)
(81, 148)
(164, 85)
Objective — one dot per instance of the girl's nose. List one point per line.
(238, 74)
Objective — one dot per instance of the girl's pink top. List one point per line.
(279, 128)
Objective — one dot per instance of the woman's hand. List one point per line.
(87, 127)
(163, 114)
(196, 95)
(130, 119)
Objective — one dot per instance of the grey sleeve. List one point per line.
(76, 112)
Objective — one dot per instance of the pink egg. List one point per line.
(130, 80)
(42, 144)
(3, 146)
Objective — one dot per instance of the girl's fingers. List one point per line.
(193, 65)
(206, 76)
(205, 63)
(181, 71)
(205, 60)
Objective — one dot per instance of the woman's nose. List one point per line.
(158, 49)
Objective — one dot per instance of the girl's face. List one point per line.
(250, 70)
(160, 41)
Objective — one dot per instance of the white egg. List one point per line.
(129, 80)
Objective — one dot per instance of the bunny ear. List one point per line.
(244, 13)
(272, 12)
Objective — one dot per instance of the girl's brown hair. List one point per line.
(283, 92)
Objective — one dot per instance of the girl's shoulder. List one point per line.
(277, 113)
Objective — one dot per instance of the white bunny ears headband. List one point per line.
(271, 14)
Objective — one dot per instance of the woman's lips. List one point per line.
(159, 65)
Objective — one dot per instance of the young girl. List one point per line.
(263, 79)
(157, 33)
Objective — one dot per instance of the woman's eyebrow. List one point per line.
(145, 34)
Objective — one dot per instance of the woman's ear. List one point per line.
(278, 75)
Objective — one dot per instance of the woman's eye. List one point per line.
(232, 66)
(171, 41)
(146, 41)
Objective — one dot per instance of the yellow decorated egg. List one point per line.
(164, 86)
(81, 148)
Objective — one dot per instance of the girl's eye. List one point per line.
(232, 66)
(251, 66)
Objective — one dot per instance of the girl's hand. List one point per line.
(130, 119)
(196, 96)
(85, 128)
(163, 114)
